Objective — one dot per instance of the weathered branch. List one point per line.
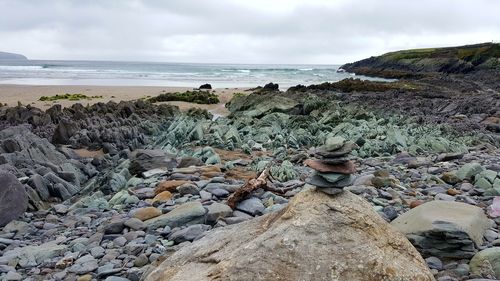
(248, 188)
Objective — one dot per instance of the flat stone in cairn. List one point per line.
(333, 171)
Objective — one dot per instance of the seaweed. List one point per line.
(70, 97)
(200, 97)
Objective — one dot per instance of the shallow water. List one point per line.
(113, 73)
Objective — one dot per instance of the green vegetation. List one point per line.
(200, 97)
(356, 85)
(475, 54)
(70, 97)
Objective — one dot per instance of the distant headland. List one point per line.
(11, 56)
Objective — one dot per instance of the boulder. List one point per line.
(13, 198)
(205, 87)
(444, 229)
(144, 160)
(316, 237)
(486, 262)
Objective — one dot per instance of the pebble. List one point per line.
(13, 276)
(252, 206)
(141, 260)
(434, 263)
(120, 241)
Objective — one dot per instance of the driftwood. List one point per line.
(248, 188)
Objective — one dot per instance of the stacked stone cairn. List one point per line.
(332, 167)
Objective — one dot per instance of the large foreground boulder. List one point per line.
(13, 198)
(316, 237)
(444, 229)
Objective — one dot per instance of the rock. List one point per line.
(434, 263)
(342, 168)
(97, 252)
(135, 224)
(344, 150)
(450, 178)
(116, 278)
(12, 276)
(120, 241)
(330, 180)
(84, 265)
(161, 197)
(144, 160)
(219, 192)
(19, 227)
(64, 131)
(114, 227)
(205, 87)
(189, 161)
(252, 206)
(486, 261)
(170, 185)
(312, 240)
(30, 256)
(469, 170)
(188, 188)
(147, 213)
(13, 198)
(141, 260)
(189, 233)
(190, 212)
(86, 277)
(333, 143)
(215, 211)
(444, 229)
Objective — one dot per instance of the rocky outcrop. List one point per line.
(316, 237)
(444, 229)
(111, 126)
(13, 198)
(422, 62)
(258, 105)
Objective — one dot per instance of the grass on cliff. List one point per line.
(200, 97)
(475, 54)
(350, 85)
(70, 97)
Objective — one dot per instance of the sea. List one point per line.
(119, 73)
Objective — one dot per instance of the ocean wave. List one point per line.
(20, 67)
(277, 69)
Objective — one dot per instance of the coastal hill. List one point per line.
(11, 56)
(424, 62)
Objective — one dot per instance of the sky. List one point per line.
(240, 31)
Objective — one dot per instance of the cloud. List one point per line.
(257, 31)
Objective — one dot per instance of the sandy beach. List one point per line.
(30, 94)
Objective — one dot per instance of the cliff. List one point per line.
(419, 63)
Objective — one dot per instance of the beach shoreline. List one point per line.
(12, 95)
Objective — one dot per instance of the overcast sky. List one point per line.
(240, 31)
